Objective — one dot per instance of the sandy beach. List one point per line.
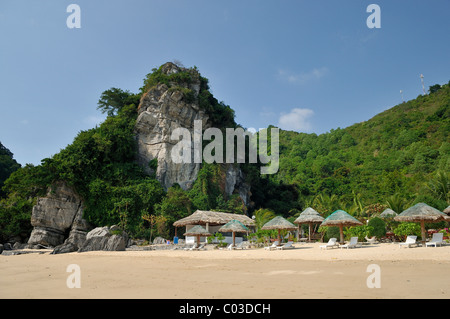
(303, 272)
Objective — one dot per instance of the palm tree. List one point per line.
(440, 186)
(397, 203)
(326, 204)
(355, 207)
(262, 216)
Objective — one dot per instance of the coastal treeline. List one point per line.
(396, 159)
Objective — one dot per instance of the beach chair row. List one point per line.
(411, 241)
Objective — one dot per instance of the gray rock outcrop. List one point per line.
(162, 110)
(57, 216)
(105, 238)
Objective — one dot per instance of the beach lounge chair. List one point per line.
(288, 245)
(230, 247)
(410, 241)
(372, 240)
(240, 246)
(195, 247)
(352, 244)
(437, 239)
(331, 243)
(274, 245)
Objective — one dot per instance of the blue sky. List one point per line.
(308, 66)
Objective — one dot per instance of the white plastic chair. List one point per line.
(274, 245)
(331, 243)
(287, 245)
(410, 241)
(437, 239)
(240, 246)
(352, 244)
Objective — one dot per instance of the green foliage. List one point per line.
(100, 165)
(218, 236)
(397, 203)
(378, 227)
(15, 215)
(220, 115)
(396, 152)
(407, 229)
(8, 165)
(434, 88)
(439, 186)
(398, 157)
(262, 216)
(359, 231)
(174, 206)
(114, 99)
(332, 232)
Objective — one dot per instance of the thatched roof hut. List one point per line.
(340, 218)
(197, 231)
(309, 216)
(203, 217)
(279, 223)
(421, 213)
(447, 210)
(234, 226)
(388, 213)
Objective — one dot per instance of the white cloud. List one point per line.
(296, 120)
(304, 77)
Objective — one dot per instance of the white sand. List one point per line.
(303, 272)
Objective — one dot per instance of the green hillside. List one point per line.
(399, 151)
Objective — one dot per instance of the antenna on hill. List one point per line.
(401, 93)
(423, 85)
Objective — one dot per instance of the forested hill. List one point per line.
(401, 152)
(397, 158)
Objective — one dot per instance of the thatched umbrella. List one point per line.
(279, 223)
(309, 216)
(197, 231)
(421, 213)
(447, 210)
(340, 218)
(234, 226)
(388, 213)
(211, 218)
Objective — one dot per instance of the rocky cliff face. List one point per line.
(161, 111)
(58, 216)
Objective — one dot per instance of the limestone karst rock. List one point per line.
(161, 111)
(57, 216)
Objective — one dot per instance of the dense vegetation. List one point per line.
(7, 166)
(397, 158)
(400, 154)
